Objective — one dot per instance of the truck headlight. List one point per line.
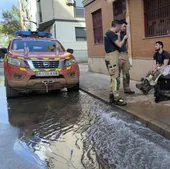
(70, 62)
(17, 62)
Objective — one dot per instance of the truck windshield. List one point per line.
(36, 45)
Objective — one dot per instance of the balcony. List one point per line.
(87, 2)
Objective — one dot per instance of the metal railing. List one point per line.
(87, 2)
(157, 18)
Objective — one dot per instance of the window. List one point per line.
(36, 45)
(157, 17)
(80, 34)
(79, 12)
(97, 27)
(119, 9)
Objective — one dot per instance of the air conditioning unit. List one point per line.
(70, 2)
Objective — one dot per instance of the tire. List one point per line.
(157, 93)
(157, 99)
(74, 88)
(10, 92)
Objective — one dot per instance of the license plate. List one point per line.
(40, 74)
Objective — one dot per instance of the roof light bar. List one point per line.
(28, 33)
(23, 33)
(44, 34)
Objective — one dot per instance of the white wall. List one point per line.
(33, 11)
(62, 10)
(65, 33)
(57, 9)
(47, 10)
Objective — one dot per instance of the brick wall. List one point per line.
(141, 47)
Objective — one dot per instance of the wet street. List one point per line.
(61, 130)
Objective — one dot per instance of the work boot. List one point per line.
(129, 92)
(111, 98)
(120, 102)
(145, 87)
(142, 79)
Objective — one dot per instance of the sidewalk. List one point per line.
(143, 108)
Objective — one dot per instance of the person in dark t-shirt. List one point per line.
(161, 66)
(112, 45)
(124, 64)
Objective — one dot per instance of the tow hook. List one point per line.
(46, 83)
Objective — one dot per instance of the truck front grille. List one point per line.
(45, 64)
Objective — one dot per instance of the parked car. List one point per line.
(35, 61)
(162, 89)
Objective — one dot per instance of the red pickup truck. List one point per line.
(35, 61)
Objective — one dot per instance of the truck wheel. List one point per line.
(9, 91)
(74, 88)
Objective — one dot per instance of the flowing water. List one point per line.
(75, 131)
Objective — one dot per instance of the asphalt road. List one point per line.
(61, 130)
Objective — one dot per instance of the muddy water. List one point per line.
(50, 127)
(75, 131)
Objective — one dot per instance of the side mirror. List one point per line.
(3, 50)
(70, 51)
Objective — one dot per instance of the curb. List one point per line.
(148, 122)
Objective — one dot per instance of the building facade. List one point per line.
(148, 22)
(66, 21)
(28, 12)
(63, 18)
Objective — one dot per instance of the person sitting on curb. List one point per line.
(124, 64)
(161, 66)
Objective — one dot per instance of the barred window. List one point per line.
(97, 26)
(157, 17)
(119, 9)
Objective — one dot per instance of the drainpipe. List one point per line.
(53, 7)
(129, 30)
(21, 17)
(54, 27)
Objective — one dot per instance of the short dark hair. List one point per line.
(123, 21)
(160, 43)
(115, 23)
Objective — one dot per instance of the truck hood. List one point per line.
(39, 55)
